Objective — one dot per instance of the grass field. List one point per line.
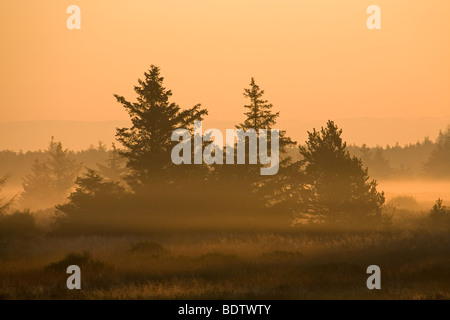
(290, 264)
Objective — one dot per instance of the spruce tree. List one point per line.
(63, 168)
(148, 141)
(259, 115)
(94, 203)
(50, 181)
(259, 111)
(336, 187)
(244, 184)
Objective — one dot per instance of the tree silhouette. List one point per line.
(336, 186)
(49, 182)
(260, 115)
(375, 160)
(438, 162)
(154, 118)
(37, 187)
(63, 167)
(95, 202)
(380, 166)
(114, 170)
(244, 184)
(17, 224)
(439, 213)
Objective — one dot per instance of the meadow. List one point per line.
(282, 264)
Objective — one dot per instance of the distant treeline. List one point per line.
(18, 164)
(424, 159)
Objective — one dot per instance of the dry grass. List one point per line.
(230, 265)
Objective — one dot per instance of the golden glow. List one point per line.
(315, 58)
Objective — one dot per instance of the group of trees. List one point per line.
(139, 185)
(424, 159)
(327, 186)
(53, 173)
(50, 181)
(18, 164)
(375, 160)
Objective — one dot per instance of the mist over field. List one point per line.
(404, 173)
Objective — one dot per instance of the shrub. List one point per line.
(19, 223)
(149, 248)
(83, 260)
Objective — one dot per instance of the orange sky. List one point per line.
(315, 58)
